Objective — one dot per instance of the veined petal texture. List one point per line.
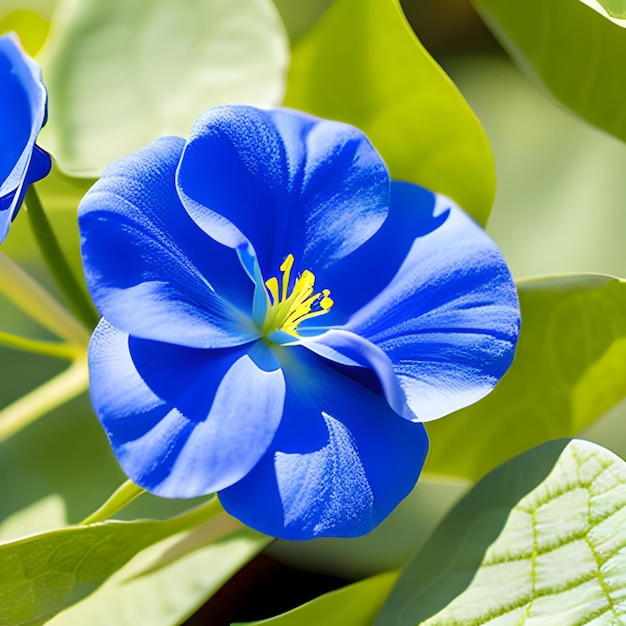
(283, 182)
(182, 421)
(150, 270)
(22, 114)
(449, 319)
(341, 460)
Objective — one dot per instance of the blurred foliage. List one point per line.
(577, 54)
(411, 112)
(558, 209)
(120, 74)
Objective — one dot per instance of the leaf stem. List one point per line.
(48, 348)
(56, 261)
(58, 390)
(121, 497)
(34, 300)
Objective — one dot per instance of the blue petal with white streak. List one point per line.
(341, 460)
(22, 114)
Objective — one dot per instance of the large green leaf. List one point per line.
(161, 586)
(361, 63)
(577, 54)
(540, 540)
(165, 596)
(121, 74)
(42, 574)
(568, 371)
(356, 605)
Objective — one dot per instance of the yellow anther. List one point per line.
(285, 268)
(287, 310)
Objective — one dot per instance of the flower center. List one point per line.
(287, 310)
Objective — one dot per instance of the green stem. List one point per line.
(39, 401)
(49, 348)
(34, 300)
(57, 263)
(121, 497)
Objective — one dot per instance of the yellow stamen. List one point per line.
(287, 310)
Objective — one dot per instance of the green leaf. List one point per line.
(577, 54)
(356, 605)
(539, 540)
(362, 64)
(168, 595)
(615, 8)
(568, 371)
(120, 74)
(42, 574)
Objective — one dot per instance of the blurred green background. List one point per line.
(559, 209)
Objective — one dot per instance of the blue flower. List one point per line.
(22, 114)
(279, 317)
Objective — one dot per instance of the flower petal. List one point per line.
(22, 114)
(147, 263)
(184, 422)
(357, 278)
(449, 319)
(341, 460)
(284, 183)
(358, 358)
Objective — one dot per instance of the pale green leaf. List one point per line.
(577, 54)
(541, 540)
(120, 74)
(568, 371)
(165, 596)
(362, 64)
(356, 605)
(615, 10)
(42, 574)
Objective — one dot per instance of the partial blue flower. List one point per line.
(279, 318)
(22, 114)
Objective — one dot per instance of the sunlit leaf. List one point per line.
(42, 574)
(540, 540)
(614, 8)
(577, 54)
(166, 596)
(568, 371)
(356, 605)
(120, 74)
(361, 63)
